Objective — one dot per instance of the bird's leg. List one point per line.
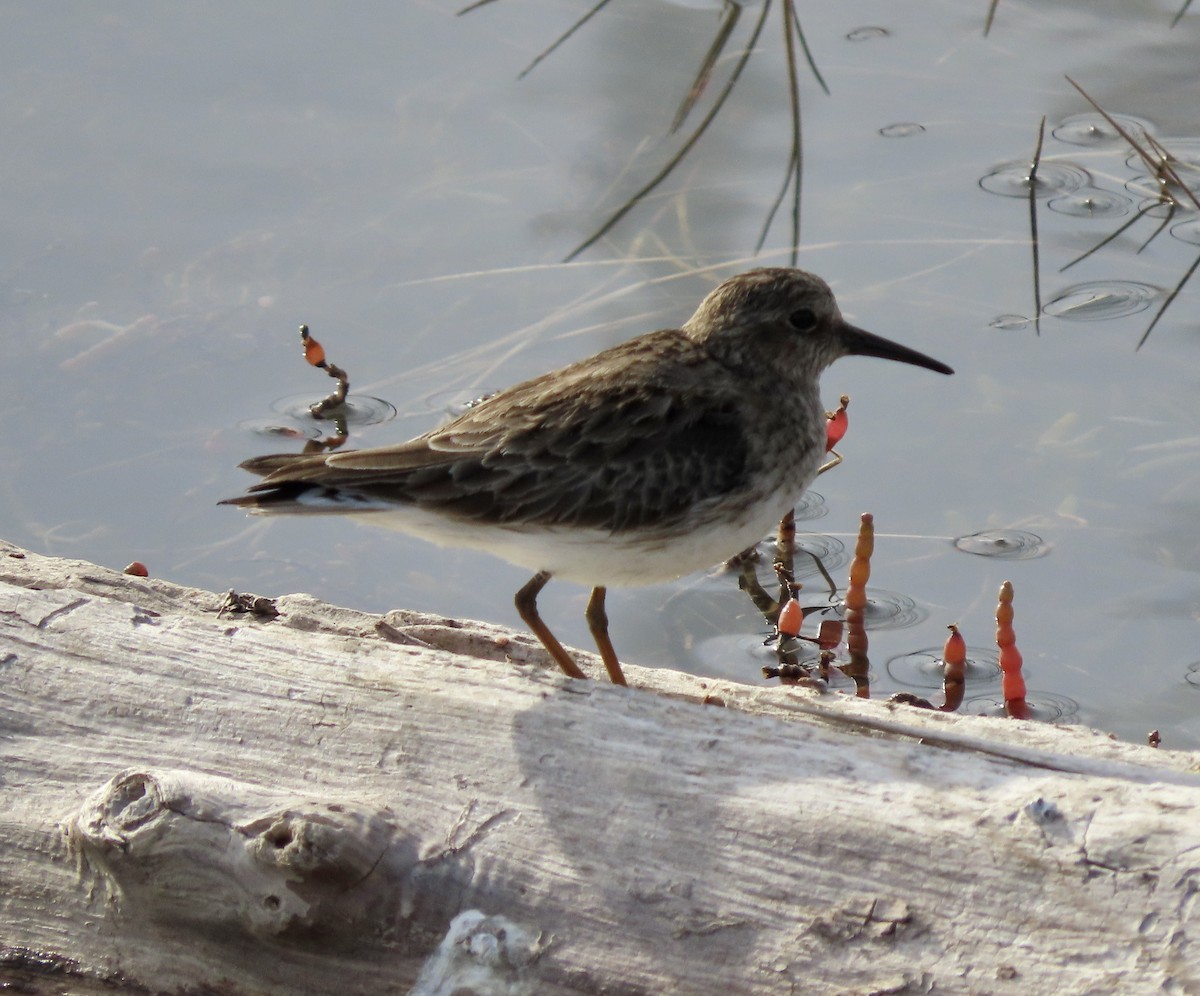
(526, 601)
(597, 620)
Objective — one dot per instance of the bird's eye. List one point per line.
(803, 320)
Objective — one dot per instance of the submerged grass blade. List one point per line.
(687, 146)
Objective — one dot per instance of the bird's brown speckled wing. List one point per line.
(557, 450)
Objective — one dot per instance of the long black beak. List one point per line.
(859, 342)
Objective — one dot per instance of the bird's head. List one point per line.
(779, 314)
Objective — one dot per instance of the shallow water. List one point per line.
(183, 189)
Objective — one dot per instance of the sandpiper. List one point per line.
(660, 456)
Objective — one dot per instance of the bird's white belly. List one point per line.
(597, 557)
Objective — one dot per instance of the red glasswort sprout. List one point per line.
(856, 604)
(314, 352)
(835, 428)
(837, 424)
(1012, 684)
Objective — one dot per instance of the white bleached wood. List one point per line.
(218, 803)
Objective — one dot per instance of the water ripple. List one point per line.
(1043, 706)
(830, 550)
(359, 409)
(1053, 178)
(925, 668)
(1003, 544)
(1009, 322)
(902, 129)
(1091, 202)
(867, 33)
(1092, 129)
(1187, 231)
(885, 609)
(1099, 300)
(274, 429)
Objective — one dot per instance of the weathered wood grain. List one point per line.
(214, 803)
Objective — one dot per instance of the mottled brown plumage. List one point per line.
(659, 456)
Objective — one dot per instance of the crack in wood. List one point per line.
(61, 611)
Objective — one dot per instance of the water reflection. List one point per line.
(795, 46)
(1045, 707)
(925, 668)
(814, 551)
(884, 610)
(357, 410)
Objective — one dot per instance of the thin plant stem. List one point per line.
(824, 572)
(1033, 232)
(1171, 209)
(1169, 171)
(563, 37)
(1142, 212)
(808, 56)
(793, 174)
(729, 19)
(991, 16)
(1167, 303)
(1158, 164)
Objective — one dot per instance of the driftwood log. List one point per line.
(207, 801)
